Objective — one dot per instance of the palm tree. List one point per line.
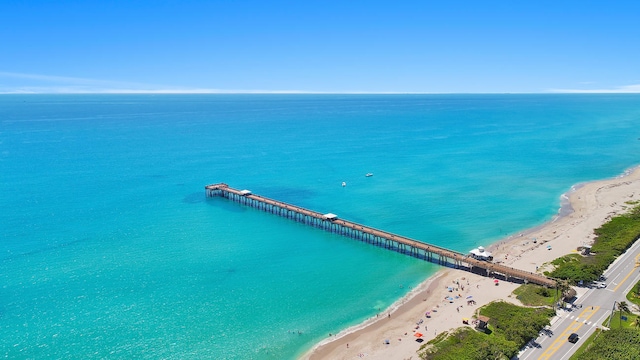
(562, 286)
(623, 307)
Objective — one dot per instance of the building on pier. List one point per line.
(480, 253)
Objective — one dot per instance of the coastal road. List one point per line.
(592, 307)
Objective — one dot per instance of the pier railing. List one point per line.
(332, 223)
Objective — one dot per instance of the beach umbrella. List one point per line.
(417, 334)
(495, 281)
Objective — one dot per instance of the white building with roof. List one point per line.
(481, 254)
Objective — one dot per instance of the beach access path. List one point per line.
(592, 205)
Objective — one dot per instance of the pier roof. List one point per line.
(330, 216)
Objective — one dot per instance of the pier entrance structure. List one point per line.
(331, 222)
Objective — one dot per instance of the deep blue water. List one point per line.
(109, 248)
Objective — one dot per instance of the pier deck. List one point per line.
(375, 236)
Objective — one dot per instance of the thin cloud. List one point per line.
(67, 80)
(88, 90)
(52, 84)
(627, 89)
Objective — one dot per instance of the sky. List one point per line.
(446, 46)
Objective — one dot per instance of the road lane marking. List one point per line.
(626, 277)
(573, 327)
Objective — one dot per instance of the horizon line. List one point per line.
(77, 85)
(301, 92)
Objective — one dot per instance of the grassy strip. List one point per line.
(617, 323)
(612, 239)
(634, 295)
(535, 295)
(510, 328)
(615, 344)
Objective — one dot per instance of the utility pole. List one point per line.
(613, 309)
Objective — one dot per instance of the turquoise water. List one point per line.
(109, 249)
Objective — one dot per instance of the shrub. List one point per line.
(615, 344)
(612, 239)
(514, 326)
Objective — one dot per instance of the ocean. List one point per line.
(110, 249)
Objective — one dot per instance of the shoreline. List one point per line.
(583, 208)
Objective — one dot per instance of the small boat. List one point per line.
(344, 184)
(369, 175)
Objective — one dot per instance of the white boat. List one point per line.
(369, 174)
(344, 184)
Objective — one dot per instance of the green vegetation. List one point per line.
(615, 344)
(612, 239)
(615, 349)
(516, 323)
(634, 294)
(535, 295)
(466, 343)
(510, 328)
(586, 344)
(617, 323)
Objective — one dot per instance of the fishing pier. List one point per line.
(331, 222)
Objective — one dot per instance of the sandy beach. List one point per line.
(585, 208)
